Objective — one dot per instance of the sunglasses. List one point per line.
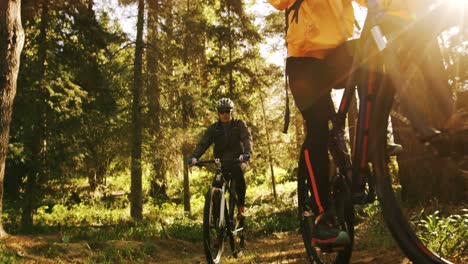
(224, 111)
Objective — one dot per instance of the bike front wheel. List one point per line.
(399, 217)
(214, 226)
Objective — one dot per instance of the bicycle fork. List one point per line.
(221, 208)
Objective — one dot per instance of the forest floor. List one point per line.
(284, 247)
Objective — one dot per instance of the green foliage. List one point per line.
(268, 223)
(131, 253)
(269, 216)
(446, 235)
(187, 230)
(79, 214)
(370, 228)
(8, 255)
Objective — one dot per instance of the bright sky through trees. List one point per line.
(125, 15)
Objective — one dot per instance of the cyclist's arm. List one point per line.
(246, 137)
(204, 143)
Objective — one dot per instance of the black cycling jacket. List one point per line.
(230, 140)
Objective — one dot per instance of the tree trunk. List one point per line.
(183, 98)
(37, 146)
(270, 158)
(187, 195)
(231, 81)
(158, 179)
(11, 44)
(136, 210)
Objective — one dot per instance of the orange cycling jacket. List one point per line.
(322, 25)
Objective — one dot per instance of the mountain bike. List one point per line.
(220, 222)
(365, 176)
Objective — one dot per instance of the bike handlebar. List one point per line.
(201, 162)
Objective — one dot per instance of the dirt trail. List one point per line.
(289, 248)
(277, 248)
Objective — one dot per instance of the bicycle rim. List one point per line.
(397, 219)
(323, 255)
(213, 233)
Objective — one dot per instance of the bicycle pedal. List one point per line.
(394, 149)
(237, 253)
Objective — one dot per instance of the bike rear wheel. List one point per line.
(214, 232)
(341, 201)
(396, 218)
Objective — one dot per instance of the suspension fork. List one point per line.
(222, 206)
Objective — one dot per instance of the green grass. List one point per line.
(370, 228)
(446, 235)
(7, 255)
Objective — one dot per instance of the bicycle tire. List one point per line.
(316, 254)
(396, 221)
(213, 234)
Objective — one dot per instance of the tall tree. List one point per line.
(270, 155)
(158, 179)
(136, 209)
(11, 44)
(37, 143)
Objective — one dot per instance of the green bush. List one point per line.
(445, 235)
(186, 229)
(79, 214)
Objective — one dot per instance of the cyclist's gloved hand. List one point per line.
(192, 161)
(244, 157)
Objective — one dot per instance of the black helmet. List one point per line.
(225, 104)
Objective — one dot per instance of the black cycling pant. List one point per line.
(235, 172)
(311, 81)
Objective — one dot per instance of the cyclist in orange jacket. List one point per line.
(319, 59)
(316, 29)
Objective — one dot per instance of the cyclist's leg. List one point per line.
(238, 175)
(305, 79)
(306, 76)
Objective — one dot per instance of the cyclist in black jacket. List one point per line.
(232, 140)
